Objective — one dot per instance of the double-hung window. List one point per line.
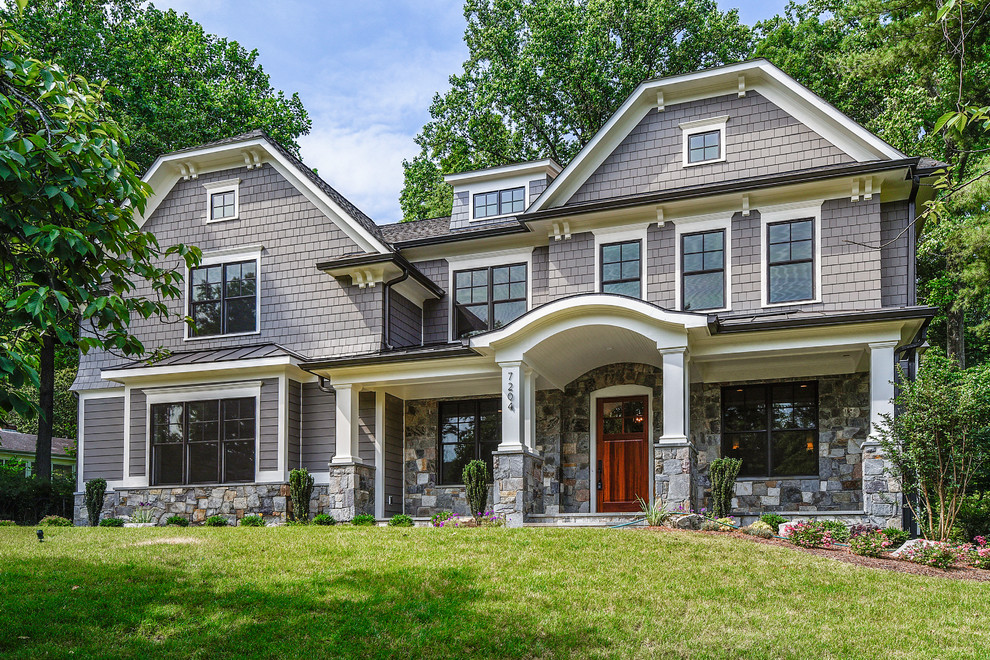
(223, 298)
(203, 442)
(499, 202)
(772, 428)
(621, 268)
(469, 430)
(488, 298)
(703, 266)
(790, 261)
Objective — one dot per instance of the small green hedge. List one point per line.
(400, 520)
(216, 521)
(324, 519)
(252, 521)
(363, 519)
(177, 521)
(112, 522)
(55, 521)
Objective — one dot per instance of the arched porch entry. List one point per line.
(552, 346)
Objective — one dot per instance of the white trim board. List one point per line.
(692, 225)
(621, 234)
(780, 213)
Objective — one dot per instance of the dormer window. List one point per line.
(704, 141)
(499, 202)
(222, 200)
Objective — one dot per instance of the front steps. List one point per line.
(583, 520)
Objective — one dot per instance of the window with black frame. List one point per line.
(704, 146)
(222, 205)
(499, 202)
(773, 428)
(223, 298)
(703, 265)
(203, 442)
(790, 261)
(469, 430)
(488, 298)
(621, 268)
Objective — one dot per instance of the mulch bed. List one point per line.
(957, 572)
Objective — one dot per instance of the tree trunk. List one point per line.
(46, 400)
(955, 336)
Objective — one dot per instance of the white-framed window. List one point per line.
(703, 141)
(490, 290)
(791, 254)
(497, 203)
(704, 263)
(223, 294)
(620, 261)
(222, 200)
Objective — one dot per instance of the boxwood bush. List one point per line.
(177, 521)
(112, 522)
(324, 519)
(363, 519)
(400, 520)
(216, 521)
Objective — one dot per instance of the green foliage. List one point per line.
(8, 523)
(28, 499)
(973, 518)
(400, 520)
(215, 521)
(55, 521)
(252, 521)
(774, 520)
(363, 520)
(300, 489)
(810, 535)
(542, 76)
(440, 518)
(723, 472)
(96, 490)
(935, 554)
(759, 529)
(838, 530)
(176, 85)
(324, 519)
(939, 439)
(870, 544)
(656, 514)
(112, 522)
(65, 401)
(476, 486)
(897, 535)
(176, 521)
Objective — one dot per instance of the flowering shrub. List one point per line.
(979, 554)
(7, 523)
(55, 521)
(864, 528)
(869, 544)
(937, 555)
(896, 535)
(444, 519)
(838, 530)
(489, 519)
(810, 535)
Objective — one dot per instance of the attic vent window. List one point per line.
(222, 200)
(704, 146)
(704, 141)
(499, 202)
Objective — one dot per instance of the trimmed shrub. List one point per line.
(55, 521)
(723, 473)
(400, 520)
(838, 530)
(363, 520)
(774, 520)
(442, 518)
(869, 544)
(96, 490)
(897, 535)
(215, 521)
(112, 522)
(324, 519)
(300, 489)
(7, 523)
(973, 518)
(252, 521)
(476, 486)
(177, 521)
(26, 500)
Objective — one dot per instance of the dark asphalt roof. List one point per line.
(28, 442)
(216, 355)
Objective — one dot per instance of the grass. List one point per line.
(530, 593)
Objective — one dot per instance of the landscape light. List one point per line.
(41, 535)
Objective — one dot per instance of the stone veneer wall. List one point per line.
(843, 424)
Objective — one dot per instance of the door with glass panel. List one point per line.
(622, 454)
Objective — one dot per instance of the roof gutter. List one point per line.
(716, 325)
(386, 358)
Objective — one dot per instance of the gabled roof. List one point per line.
(27, 443)
(252, 149)
(756, 75)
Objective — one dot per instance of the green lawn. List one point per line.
(532, 593)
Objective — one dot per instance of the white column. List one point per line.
(347, 424)
(379, 454)
(675, 391)
(529, 408)
(881, 384)
(513, 406)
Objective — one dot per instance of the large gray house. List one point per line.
(726, 269)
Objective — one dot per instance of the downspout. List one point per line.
(912, 293)
(386, 304)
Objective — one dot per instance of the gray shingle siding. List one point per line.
(139, 433)
(295, 423)
(303, 309)
(661, 267)
(394, 427)
(318, 428)
(405, 321)
(268, 413)
(436, 329)
(572, 266)
(761, 139)
(103, 438)
(895, 254)
(366, 430)
(536, 188)
(460, 214)
(541, 275)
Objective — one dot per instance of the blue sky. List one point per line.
(366, 72)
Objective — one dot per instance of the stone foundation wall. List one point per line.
(882, 493)
(674, 475)
(518, 488)
(843, 423)
(350, 492)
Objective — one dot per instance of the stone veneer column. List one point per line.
(675, 459)
(881, 492)
(518, 470)
(351, 491)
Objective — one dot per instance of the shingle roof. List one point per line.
(409, 231)
(28, 442)
(255, 352)
(339, 199)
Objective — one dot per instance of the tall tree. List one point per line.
(69, 247)
(544, 75)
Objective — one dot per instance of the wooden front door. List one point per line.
(622, 458)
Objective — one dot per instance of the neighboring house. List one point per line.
(19, 448)
(726, 269)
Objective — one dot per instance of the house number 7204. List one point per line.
(510, 395)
